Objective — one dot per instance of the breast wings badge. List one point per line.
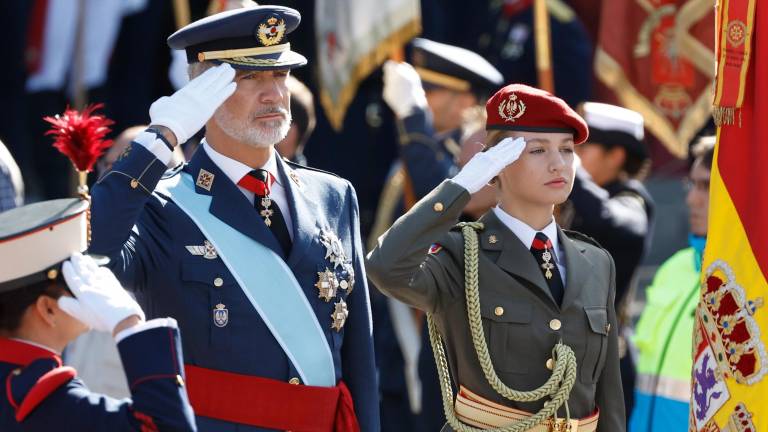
(207, 250)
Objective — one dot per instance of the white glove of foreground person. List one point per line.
(402, 89)
(186, 111)
(100, 301)
(486, 165)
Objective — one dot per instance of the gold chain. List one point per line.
(558, 386)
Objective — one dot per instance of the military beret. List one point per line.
(253, 38)
(35, 239)
(449, 66)
(613, 125)
(518, 107)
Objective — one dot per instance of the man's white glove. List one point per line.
(486, 165)
(186, 111)
(402, 89)
(100, 301)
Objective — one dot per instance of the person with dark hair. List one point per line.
(610, 203)
(303, 124)
(50, 294)
(663, 333)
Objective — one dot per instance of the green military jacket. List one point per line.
(521, 320)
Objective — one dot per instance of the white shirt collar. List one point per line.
(235, 169)
(35, 344)
(524, 232)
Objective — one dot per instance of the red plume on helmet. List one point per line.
(80, 135)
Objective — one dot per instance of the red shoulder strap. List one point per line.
(45, 385)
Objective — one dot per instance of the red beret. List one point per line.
(523, 108)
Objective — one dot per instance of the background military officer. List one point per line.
(430, 100)
(610, 203)
(39, 316)
(259, 259)
(525, 291)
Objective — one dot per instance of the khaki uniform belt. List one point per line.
(477, 411)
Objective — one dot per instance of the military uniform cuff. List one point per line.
(156, 145)
(157, 322)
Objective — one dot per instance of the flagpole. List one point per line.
(543, 43)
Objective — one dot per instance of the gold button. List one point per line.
(218, 282)
(438, 207)
(16, 372)
(550, 364)
(555, 324)
(53, 274)
(294, 381)
(179, 380)
(499, 311)
(134, 183)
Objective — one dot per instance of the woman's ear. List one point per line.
(47, 308)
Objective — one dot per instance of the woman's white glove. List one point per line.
(100, 301)
(402, 89)
(486, 165)
(186, 111)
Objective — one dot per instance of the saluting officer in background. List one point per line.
(532, 289)
(259, 259)
(430, 100)
(39, 317)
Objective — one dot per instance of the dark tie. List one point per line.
(544, 253)
(260, 182)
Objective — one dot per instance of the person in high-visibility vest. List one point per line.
(664, 333)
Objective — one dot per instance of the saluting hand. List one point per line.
(186, 111)
(486, 165)
(403, 91)
(100, 301)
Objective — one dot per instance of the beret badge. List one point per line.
(511, 109)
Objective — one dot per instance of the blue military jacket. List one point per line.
(146, 235)
(41, 395)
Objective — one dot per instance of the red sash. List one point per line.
(269, 403)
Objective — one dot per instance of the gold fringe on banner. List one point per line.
(336, 110)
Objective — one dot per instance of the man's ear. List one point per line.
(618, 156)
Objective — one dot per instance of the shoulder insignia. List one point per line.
(45, 385)
(299, 166)
(435, 248)
(583, 237)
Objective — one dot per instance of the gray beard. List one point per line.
(272, 133)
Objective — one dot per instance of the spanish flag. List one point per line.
(730, 363)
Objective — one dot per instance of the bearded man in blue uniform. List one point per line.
(259, 259)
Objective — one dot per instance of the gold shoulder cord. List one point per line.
(557, 387)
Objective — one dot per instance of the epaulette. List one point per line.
(173, 171)
(583, 237)
(295, 165)
(29, 387)
(561, 11)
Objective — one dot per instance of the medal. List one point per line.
(339, 315)
(207, 250)
(334, 251)
(348, 283)
(546, 265)
(327, 284)
(220, 315)
(266, 212)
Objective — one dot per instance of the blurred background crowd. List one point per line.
(640, 191)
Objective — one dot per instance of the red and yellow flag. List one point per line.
(730, 361)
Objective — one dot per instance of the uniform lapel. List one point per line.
(302, 210)
(229, 204)
(515, 258)
(578, 268)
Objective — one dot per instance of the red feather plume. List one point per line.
(80, 135)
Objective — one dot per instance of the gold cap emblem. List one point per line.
(271, 31)
(511, 109)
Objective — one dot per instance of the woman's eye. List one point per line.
(535, 151)
(566, 150)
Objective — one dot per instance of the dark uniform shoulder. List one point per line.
(297, 166)
(576, 235)
(29, 386)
